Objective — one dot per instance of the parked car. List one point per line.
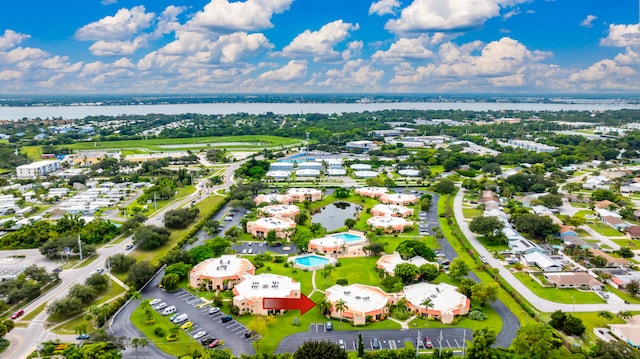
(216, 343)
(249, 333)
(250, 251)
(171, 318)
(128, 246)
(375, 344)
(226, 319)
(214, 310)
(155, 302)
(207, 341)
(83, 337)
(341, 344)
(186, 325)
(161, 306)
(199, 334)
(244, 251)
(329, 326)
(179, 319)
(17, 314)
(168, 310)
(427, 343)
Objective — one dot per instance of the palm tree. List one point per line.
(326, 272)
(135, 342)
(80, 329)
(607, 315)
(428, 304)
(340, 306)
(143, 342)
(624, 314)
(324, 306)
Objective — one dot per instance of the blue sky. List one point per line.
(310, 46)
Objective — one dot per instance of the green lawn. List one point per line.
(633, 244)
(471, 213)
(591, 320)
(604, 229)
(493, 321)
(392, 242)
(356, 270)
(565, 296)
(183, 346)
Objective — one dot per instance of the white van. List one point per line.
(169, 310)
(181, 318)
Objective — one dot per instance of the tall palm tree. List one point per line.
(143, 342)
(135, 343)
(340, 306)
(427, 303)
(324, 306)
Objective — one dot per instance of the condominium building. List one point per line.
(37, 169)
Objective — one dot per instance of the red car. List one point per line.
(17, 314)
(216, 343)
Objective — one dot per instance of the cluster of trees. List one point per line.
(409, 273)
(150, 237)
(254, 169)
(67, 228)
(174, 273)
(482, 293)
(137, 272)
(25, 286)
(217, 155)
(567, 323)
(181, 217)
(79, 296)
(242, 195)
(411, 248)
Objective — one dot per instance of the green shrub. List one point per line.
(477, 315)
(159, 332)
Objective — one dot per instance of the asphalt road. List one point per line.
(452, 338)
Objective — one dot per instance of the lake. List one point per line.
(332, 216)
(82, 111)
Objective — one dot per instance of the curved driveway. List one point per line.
(539, 303)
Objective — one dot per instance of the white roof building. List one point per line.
(365, 174)
(304, 172)
(447, 301)
(389, 224)
(283, 227)
(373, 192)
(279, 210)
(278, 174)
(281, 166)
(220, 273)
(36, 169)
(310, 165)
(361, 301)
(543, 262)
(409, 173)
(273, 198)
(336, 172)
(391, 210)
(398, 199)
(249, 293)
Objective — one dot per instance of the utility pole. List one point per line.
(464, 341)
(441, 344)
(155, 203)
(80, 246)
(417, 343)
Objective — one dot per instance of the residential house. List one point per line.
(611, 261)
(632, 232)
(543, 262)
(576, 280)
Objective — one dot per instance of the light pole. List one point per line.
(574, 305)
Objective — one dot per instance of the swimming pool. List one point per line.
(347, 237)
(312, 261)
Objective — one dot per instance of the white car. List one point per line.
(214, 310)
(154, 302)
(199, 334)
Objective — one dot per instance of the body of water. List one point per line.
(332, 216)
(82, 111)
(312, 261)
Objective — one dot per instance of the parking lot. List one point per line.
(198, 313)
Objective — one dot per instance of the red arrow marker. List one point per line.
(303, 304)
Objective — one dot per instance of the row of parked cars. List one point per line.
(182, 318)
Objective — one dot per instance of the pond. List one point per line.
(332, 216)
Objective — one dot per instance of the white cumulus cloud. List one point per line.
(124, 24)
(11, 38)
(384, 7)
(446, 15)
(320, 44)
(410, 49)
(250, 15)
(295, 69)
(117, 48)
(622, 36)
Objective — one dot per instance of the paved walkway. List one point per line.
(604, 239)
(539, 303)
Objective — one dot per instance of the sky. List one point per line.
(319, 46)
